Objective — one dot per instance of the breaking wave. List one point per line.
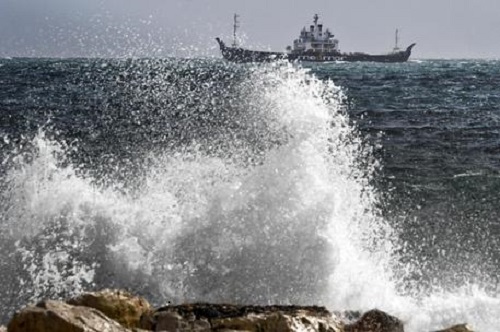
(274, 203)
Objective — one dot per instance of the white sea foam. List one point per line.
(299, 226)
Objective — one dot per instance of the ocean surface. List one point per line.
(347, 185)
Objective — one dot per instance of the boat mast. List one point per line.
(236, 25)
(396, 47)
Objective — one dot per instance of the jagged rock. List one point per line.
(104, 312)
(172, 321)
(217, 317)
(118, 305)
(376, 321)
(55, 316)
(255, 322)
(458, 328)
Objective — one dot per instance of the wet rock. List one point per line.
(172, 321)
(217, 317)
(119, 311)
(118, 305)
(375, 321)
(458, 328)
(55, 316)
(255, 322)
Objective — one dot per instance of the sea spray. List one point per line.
(205, 181)
(202, 222)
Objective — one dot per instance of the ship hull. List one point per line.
(402, 56)
(241, 55)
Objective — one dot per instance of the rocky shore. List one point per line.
(119, 311)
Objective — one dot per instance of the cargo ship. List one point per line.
(312, 45)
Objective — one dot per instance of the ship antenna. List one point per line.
(396, 47)
(236, 25)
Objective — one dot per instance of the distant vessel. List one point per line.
(314, 45)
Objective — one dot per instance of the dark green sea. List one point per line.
(350, 185)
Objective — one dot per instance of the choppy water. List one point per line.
(349, 185)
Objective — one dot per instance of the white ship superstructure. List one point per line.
(315, 40)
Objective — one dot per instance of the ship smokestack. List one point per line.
(320, 28)
(312, 28)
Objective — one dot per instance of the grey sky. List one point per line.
(441, 28)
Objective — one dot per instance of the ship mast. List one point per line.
(396, 47)
(236, 25)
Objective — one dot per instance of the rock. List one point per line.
(172, 321)
(55, 316)
(255, 322)
(218, 317)
(458, 328)
(119, 311)
(116, 304)
(376, 321)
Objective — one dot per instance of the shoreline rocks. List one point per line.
(376, 321)
(227, 317)
(57, 316)
(120, 311)
(118, 305)
(457, 328)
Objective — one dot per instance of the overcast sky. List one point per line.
(69, 28)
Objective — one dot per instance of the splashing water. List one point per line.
(283, 213)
